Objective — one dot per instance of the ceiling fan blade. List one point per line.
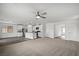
(38, 14)
(44, 13)
(42, 17)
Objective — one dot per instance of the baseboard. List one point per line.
(11, 37)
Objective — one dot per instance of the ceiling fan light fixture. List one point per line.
(37, 16)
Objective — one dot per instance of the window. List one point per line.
(7, 29)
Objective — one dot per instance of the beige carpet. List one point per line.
(11, 40)
(41, 47)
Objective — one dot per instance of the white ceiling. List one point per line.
(24, 13)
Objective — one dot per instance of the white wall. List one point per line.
(78, 29)
(44, 30)
(71, 29)
(58, 31)
(50, 30)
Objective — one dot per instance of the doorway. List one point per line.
(59, 31)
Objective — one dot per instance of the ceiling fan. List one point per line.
(40, 15)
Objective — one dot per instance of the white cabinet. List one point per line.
(29, 35)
